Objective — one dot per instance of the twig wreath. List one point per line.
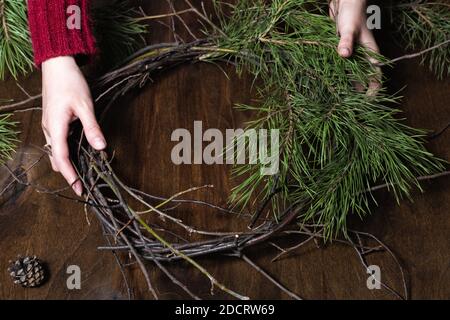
(338, 144)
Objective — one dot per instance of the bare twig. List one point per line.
(438, 133)
(413, 55)
(21, 104)
(422, 178)
(269, 277)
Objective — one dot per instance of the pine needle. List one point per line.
(8, 138)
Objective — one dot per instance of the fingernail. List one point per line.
(345, 52)
(77, 189)
(99, 143)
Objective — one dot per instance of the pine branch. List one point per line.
(426, 24)
(343, 141)
(16, 54)
(119, 30)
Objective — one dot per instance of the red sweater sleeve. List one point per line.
(60, 28)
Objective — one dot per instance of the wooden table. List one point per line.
(139, 132)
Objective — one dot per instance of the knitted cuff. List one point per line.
(60, 28)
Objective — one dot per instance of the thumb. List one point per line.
(92, 129)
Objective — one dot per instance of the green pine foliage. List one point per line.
(336, 142)
(16, 54)
(425, 24)
(118, 30)
(8, 138)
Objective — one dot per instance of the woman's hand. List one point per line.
(351, 23)
(66, 97)
(350, 16)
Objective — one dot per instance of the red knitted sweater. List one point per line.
(60, 28)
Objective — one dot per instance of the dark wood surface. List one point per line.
(139, 130)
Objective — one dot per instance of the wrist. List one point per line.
(59, 62)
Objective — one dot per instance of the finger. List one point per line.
(348, 20)
(368, 41)
(358, 86)
(60, 151)
(48, 141)
(91, 128)
(333, 9)
(345, 47)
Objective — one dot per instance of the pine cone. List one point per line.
(29, 272)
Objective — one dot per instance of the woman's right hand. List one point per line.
(351, 23)
(66, 97)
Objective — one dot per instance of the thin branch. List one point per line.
(3, 18)
(160, 16)
(413, 55)
(438, 133)
(20, 105)
(422, 178)
(269, 277)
